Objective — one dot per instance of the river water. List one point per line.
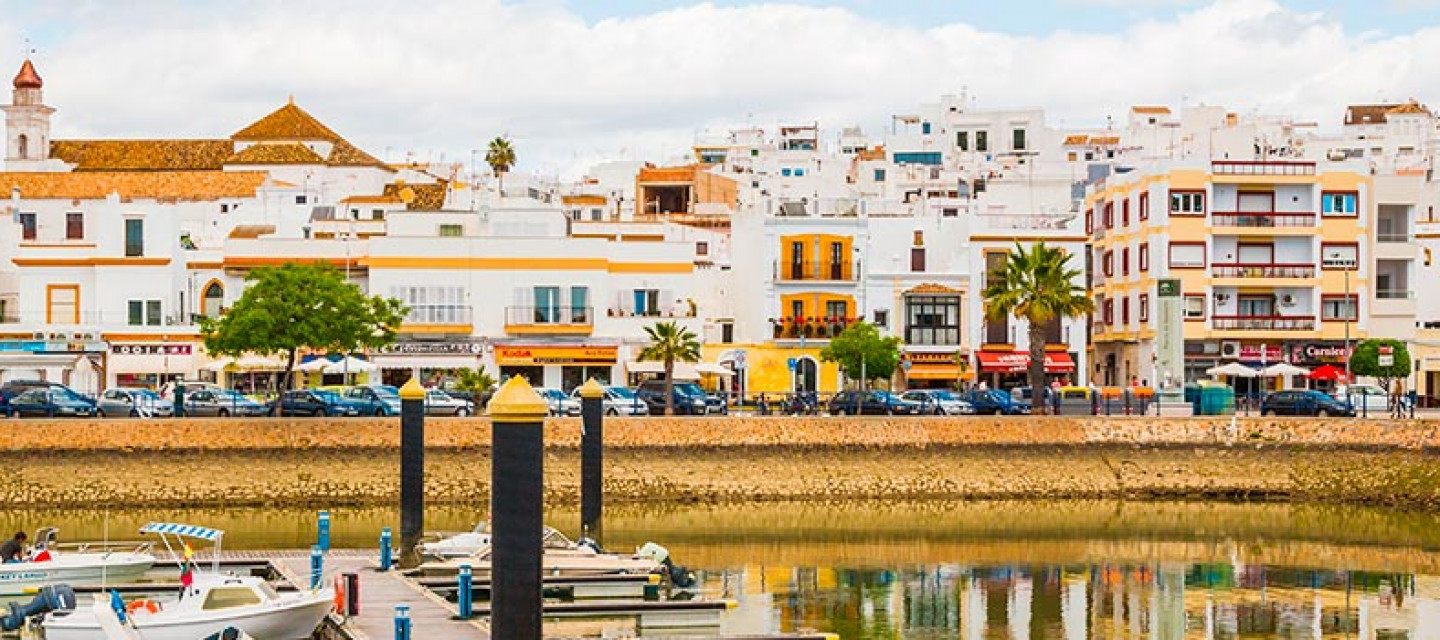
(975, 570)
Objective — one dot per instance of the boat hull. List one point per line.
(74, 569)
(283, 621)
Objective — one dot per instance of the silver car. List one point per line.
(618, 401)
(222, 403)
(560, 404)
(940, 402)
(439, 403)
(133, 402)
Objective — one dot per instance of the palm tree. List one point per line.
(501, 157)
(1038, 286)
(670, 342)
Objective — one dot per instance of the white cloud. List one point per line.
(444, 77)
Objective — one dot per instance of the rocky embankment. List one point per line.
(310, 462)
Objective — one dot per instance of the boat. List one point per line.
(457, 545)
(115, 627)
(49, 562)
(210, 602)
(564, 557)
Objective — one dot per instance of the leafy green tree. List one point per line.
(302, 306)
(1039, 287)
(1365, 361)
(670, 342)
(501, 157)
(861, 351)
(476, 382)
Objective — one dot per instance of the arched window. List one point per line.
(213, 298)
(24, 146)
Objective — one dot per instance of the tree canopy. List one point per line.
(670, 342)
(1365, 360)
(1039, 287)
(862, 343)
(299, 306)
(500, 155)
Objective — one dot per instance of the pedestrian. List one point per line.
(14, 549)
(1397, 396)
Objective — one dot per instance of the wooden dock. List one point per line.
(430, 615)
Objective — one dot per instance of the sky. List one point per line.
(575, 82)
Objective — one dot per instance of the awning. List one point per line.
(932, 372)
(38, 360)
(682, 370)
(1019, 362)
(407, 361)
(709, 369)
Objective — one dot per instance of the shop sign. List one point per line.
(1272, 353)
(531, 355)
(1318, 353)
(435, 348)
(1386, 357)
(27, 346)
(151, 349)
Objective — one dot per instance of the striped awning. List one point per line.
(187, 530)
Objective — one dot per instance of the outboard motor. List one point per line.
(679, 576)
(57, 597)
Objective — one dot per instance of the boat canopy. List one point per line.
(186, 530)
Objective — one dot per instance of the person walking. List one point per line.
(1397, 399)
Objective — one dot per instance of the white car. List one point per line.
(560, 404)
(619, 401)
(1367, 398)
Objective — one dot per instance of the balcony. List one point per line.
(814, 272)
(1262, 168)
(1262, 219)
(553, 320)
(1264, 323)
(808, 328)
(1269, 270)
(438, 318)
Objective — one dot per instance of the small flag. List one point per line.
(189, 553)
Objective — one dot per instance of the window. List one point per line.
(1125, 261)
(62, 304)
(27, 226)
(579, 304)
(134, 237)
(23, 143)
(837, 309)
(1187, 255)
(144, 313)
(917, 259)
(1089, 221)
(1108, 311)
(1125, 310)
(1109, 263)
(1145, 206)
(452, 230)
(213, 299)
(879, 175)
(882, 318)
(1144, 257)
(377, 214)
(1187, 203)
(74, 226)
(982, 140)
(702, 248)
(547, 305)
(1343, 256)
(433, 304)
(785, 171)
(962, 140)
(1017, 139)
(925, 128)
(597, 214)
(1144, 307)
(1262, 306)
(799, 172)
(932, 320)
(1194, 306)
(727, 333)
(797, 309)
(1333, 307)
(1125, 212)
(647, 302)
(301, 199)
(1338, 203)
(229, 598)
(1071, 156)
(1109, 215)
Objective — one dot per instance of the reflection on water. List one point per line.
(979, 570)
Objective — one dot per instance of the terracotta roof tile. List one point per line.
(276, 153)
(667, 174)
(143, 155)
(344, 154)
(1409, 107)
(422, 197)
(1155, 109)
(931, 287)
(1104, 140)
(289, 122)
(132, 185)
(381, 199)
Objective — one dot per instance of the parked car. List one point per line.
(1367, 398)
(16, 387)
(1304, 402)
(52, 402)
(872, 403)
(940, 402)
(995, 402)
(685, 399)
(713, 403)
(559, 403)
(133, 402)
(222, 403)
(441, 403)
(618, 401)
(375, 399)
(313, 402)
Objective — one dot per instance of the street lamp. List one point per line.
(1349, 308)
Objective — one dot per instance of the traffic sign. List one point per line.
(790, 363)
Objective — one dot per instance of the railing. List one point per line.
(820, 328)
(1392, 237)
(1262, 219)
(1265, 270)
(1262, 168)
(438, 314)
(832, 271)
(556, 316)
(1393, 294)
(1265, 323)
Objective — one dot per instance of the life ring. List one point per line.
(150, 606)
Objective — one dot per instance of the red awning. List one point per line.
(1019, 362)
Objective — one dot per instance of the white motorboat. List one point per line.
(115, 629)
(78, 564)
(458, 545)
(563, 557)
(209, 604)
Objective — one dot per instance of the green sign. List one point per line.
(1169, 288)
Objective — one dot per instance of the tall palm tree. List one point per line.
(1038, 286)
(501, 157)
(670, 342)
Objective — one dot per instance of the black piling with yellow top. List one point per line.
(412, 471)
(517, 473)
(592, 459)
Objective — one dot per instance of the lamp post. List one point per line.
(1348, 307)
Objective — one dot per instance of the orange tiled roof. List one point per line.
(276, 153)
(931, 287)
(667, 174)
(423, 197)
(878, 153)
(289, 122)
(133, 185)
(1409, 107)
(380, 199)
(1076, 139)
(1156, 109)
(143, 155)
(583, 199)
(1367, 113)
(344, 154)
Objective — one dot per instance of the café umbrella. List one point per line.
(1283, 370)
(1234, 370)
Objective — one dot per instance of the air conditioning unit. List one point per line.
(39, 335)
(1222, 297)
(1230, 349)
(87, 337)
(57, 337)
(1287, 300)
(76, 337)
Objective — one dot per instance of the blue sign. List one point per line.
(790, 363)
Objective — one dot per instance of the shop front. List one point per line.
(563, 367)
(1318, 354)
(434, 363)
(930, 370)
(77, 364)
(1006, 369)
(149, 365)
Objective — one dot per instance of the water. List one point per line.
(979, 570)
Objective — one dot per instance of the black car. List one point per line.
(875, 403)
(313, 402)
(687, 400)
(1304, 402)
(995, 402)
(52, 402)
